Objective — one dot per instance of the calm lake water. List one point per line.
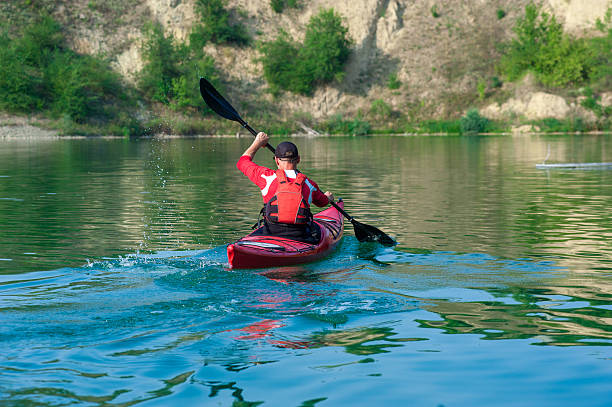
(114, 287)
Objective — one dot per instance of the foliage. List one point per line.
(215, 26)
(279, 5)
(392, 82)
(326, 46)
(439, 126)
(570, 125)
(543, 48)
(381, 109)
(281, 64)
(473, 122)
(496, 82)
(602, 49)
(160, 56)
(171, 71)
(338, 125)
(288, 65)
(434, 11)
(481, 88)
(38, 72)
(500, 13)
(592, 103)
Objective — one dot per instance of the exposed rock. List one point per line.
(438, 59)
(579, 16)
(606, 99)
(543, 105)
(533, 106)
(524, 129)
(129, 63)
(177, 16)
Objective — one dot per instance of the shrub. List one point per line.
(542, 47)
(280, 65)
(500, 13)
(434, 11)
(481, 87)
(380, 109)
(356, 127)
(439, 126)
(279, 5)
(326, 46)
(39, 72)
(161, 58)
(473, 123)
(392, 82)
(215, 26)
(171, 70)
(80, 85)
(288, 65)
(602, 49)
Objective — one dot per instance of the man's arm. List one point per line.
(260, 141)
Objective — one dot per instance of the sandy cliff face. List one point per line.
(578, 16)
(439, 49)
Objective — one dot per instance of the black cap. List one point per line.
(286, 150)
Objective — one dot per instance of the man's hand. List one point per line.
(329, 196)
(261, 139)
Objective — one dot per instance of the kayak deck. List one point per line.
(256, 251)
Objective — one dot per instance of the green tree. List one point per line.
(473, 123)
(161, 58)
(171, 71)
(298, 68)
(215, 26)
(326, 47)
(602, 49)
(541, 46)
(39, 72)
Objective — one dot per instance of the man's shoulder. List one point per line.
(245, 162)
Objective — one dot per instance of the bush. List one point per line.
(38, 72)
(279, 5)
(439, 126)
(298, 68)
(281, 64)
(381, 109)
(171, 71)
(542, 47)
(392, 82)
(215, 26)
(473, 123)
(356, 127)
(434, 11)
(602, 49)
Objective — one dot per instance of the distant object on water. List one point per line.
(575, 166)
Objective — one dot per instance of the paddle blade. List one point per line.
(217, 102)
(367, 233)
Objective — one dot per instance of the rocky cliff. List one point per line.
(438, 49)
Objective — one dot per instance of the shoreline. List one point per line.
(26, 128)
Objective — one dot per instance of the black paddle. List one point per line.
(214, 100)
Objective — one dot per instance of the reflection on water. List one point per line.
(114, 288)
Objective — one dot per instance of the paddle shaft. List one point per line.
(254, 133)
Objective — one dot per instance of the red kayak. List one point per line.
(255, 251)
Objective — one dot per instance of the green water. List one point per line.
(114, 287)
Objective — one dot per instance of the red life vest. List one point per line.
(288, 204)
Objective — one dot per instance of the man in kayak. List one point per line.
(287, 193)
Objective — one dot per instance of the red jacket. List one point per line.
(265, 179)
